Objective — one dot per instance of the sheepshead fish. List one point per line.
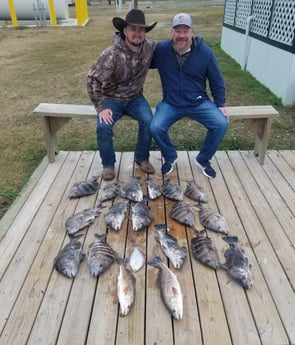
(116, 215)
(109, 191)
(126, 288)
(84, 188)
(183, 213)
(172, 190)
(170, 289)
(154, 190)
(196, 192)
(170, 246)
(82, 219)
(141, 216)
(203, 249)
(100, 255)
(68, 259)
(212, 220)
(237, 263)
(132, 190)
(136, 259)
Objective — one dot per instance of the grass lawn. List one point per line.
(50, 65)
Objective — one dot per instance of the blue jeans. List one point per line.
(205, 113)
(139, 109)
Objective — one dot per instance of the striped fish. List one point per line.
(172, 190)
(83, 188)
(212, 220)
(203, 249)
(195, 192)
(100, 255)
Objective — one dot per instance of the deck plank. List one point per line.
(38, 306)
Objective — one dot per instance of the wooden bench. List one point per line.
(54, 116)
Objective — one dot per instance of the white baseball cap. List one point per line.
(182, 19)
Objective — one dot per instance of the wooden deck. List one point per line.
(39, 306)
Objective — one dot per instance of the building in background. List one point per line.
(260, 36)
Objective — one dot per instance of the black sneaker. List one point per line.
(167, 167)
(207, 169)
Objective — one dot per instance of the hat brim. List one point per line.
(120, 24)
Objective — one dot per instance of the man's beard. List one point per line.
(137, 45)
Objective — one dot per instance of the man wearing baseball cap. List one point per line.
(185, 64)
(115, 86)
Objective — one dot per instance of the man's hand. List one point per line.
(106, 116)
(222, 109)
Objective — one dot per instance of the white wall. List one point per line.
(24, 9)
(273, 67)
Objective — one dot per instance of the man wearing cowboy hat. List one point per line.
(115, 86)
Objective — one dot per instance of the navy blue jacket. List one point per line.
(186, 85)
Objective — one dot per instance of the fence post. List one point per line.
(12, 13)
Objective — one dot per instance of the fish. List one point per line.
(132, 190)
(212, 220)
(109, 191)
(170, 289)
(172, 190)
(116, 214)
(69, 258)
(170, 246)
(154, 190)
(136, 259)
(125, 288)
(204, 250)
(141, 216)
(100, 255)
(195, 192)
(237, 263)
(82, 219)
(183, 213)
(84, 188)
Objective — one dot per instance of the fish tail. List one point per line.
(161, 227)
(122, 261)
(155, 261)
(231, 240)
(101, 236)
(75, 236)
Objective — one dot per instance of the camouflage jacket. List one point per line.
(119, 73)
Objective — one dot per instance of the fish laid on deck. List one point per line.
(109, 191)
(100, 255)
(212, 220)
(136, 259)
(170, 289)
(195, 192)
(68, 260)
(116, 215)
(126, 288)
(175, 253)
(183, 213)
(84, 188)
(82, 219)
(132, 190)
(237, 263)
(172, 190)
(204, 250)
(154, 190)
(141, 216)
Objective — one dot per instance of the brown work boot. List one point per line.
(108, 174)
(146, 167)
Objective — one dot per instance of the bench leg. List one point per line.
(262, 129)
(50, 126)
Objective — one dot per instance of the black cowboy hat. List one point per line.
(133, 17)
